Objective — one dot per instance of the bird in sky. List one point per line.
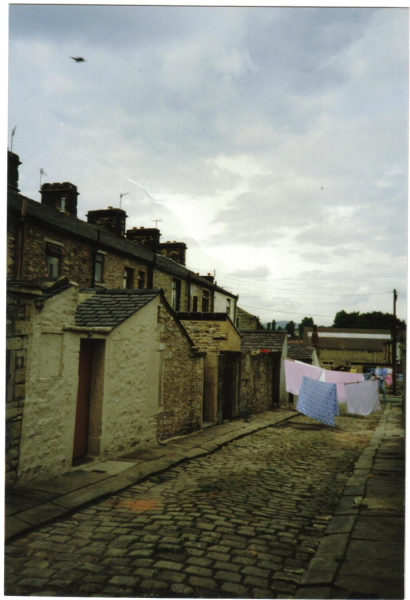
(78, 58)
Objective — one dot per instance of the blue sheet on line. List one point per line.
(318, 400)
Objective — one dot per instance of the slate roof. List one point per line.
(263, 340)
(108, 241)
(109, 308)
(47, 286)
(298, 352)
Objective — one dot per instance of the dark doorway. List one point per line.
(275, 370)
(83, 400)
(228, 384)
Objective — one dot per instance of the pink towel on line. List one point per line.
(340, 378)
(294, 373)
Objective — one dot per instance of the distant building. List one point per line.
(350, 348)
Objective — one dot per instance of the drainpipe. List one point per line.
(20, 240)
(189, 292)
(151, 273)
(94, 258)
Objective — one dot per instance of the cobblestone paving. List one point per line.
(243, 522)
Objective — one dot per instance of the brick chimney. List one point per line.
(13, 162)
(148, 237)
(62, 196)
(174, 250)
(110, 219)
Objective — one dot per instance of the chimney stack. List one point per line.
(13, 162)
(147, 237)
(62, 196)
(174, 250)
(111, 219)
(209, 277)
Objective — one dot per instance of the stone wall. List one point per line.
(183, 380)
(19, 312)
(164, 280)
(256, 383)
(76, 262)
(213, 336)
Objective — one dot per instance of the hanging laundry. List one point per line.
(318, 400)
(340, 378)
(294, 373)
(362, 398)
(389, 379)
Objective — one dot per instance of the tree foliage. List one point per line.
(373, 320)
(290, 328)
(305, 322)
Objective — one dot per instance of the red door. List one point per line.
(83, 400)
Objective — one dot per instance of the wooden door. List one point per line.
(83, 400)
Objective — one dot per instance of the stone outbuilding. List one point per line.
(215, 334)
(262, 370)
(104, 372)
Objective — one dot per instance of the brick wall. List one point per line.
(19, 311)
(182, 383)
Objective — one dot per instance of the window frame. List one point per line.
(206, 301)
(141, 280)
(54, 252)
(99, 260)
(176, 294)
(128, 280)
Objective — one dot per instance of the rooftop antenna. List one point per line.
(42, 172)
(121, 195)
(13, 131)
(156, 221)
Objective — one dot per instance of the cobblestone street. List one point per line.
(243, 522)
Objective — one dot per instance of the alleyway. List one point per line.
(243, 522)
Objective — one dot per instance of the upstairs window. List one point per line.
(228, 306)
(141, 280)
(176, 294)
(205, 301)
(195, 304)
(54, 255)
(128, 283)
(99, 268)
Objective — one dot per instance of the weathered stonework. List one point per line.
(183, 374)
(19, 312)
(77, 259)
(256, 382)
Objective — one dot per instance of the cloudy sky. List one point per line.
(272, 140)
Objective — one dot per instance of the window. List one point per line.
(99, 268)
(54, 256)
(195, 304)
(228, 306)
(205, 301)
(128, 283)
(141, 280)
(176, 294)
